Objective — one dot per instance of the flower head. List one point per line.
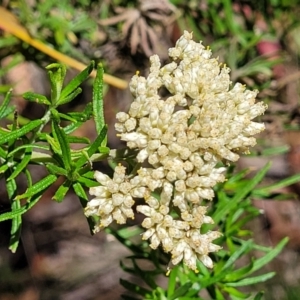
(114, 198)
(180, 142)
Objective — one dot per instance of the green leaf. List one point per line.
(276, 150)
(104, 150)
(62, 191)
(14, 126)
(70, 97)
(15, 227)
(84, 115)
(130, 232)
(239, 273)
(56, 170)
(236, 178)
(257, 65)
(22, 165)
(74, 83)
(265, 191)
(9, 111)
(3, 153)
(79, 191)
(252, 280)
(28, 177)
(28, 147)
(89, 174)
(260, 262)
(218, 22)
(181, 291)
(98, 99)
(21, 120)
(205, 282)
(93, 148)
(245, 248)
(234, 292)
(78, 140)
(12, 214)
(172, 281)
(72, 127)
(64, 146)
(239, 195)
(38, 187)
(98, 141)
(53, 144)
(5, 88)
(34, 97)
(3, 168)
(55, 115)
(4, 105)
(203, 270)
(236, 228)
(16, 212)
(65, 117)
(80, 117)
(15, 231)
(87, 182)
(56, 80)
(12, 136)
(219, 295)
(229, 17)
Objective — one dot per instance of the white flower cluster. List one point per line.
(114, 198)
(180, 142)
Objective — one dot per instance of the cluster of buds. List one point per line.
(182, 143)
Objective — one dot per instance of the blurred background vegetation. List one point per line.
(258, 39)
